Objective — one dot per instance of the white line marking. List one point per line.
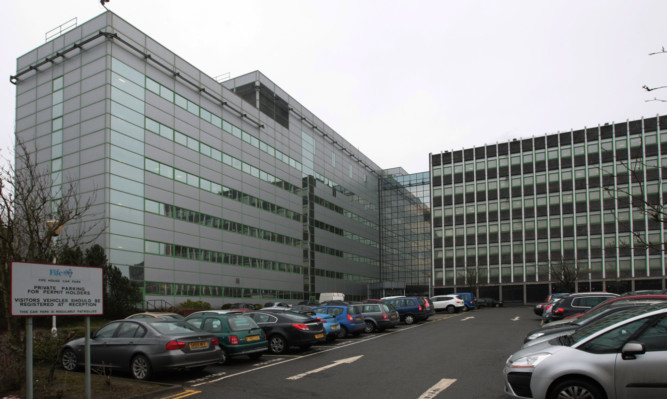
(334, 364)
(437, 388)
(515, 319)
(468, 318)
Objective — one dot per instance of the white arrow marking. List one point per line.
(468, 318)
(334, 364)
(437, 388)
(515, 319)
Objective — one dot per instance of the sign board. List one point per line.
(56, 290)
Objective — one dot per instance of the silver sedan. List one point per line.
(144, 347)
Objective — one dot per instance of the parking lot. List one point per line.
(457, 355)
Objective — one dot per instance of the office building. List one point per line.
(509, 217)
(216, 191)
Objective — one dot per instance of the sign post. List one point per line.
(55, 290)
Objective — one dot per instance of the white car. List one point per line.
(448, 303)
(620, 356)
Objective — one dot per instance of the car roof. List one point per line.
(156, 315)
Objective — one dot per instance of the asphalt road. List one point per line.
(449, 356)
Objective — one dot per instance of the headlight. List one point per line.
(536, 335)
(529, 361)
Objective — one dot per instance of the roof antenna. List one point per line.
(102, 2)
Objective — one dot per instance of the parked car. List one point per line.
(488, 303)
(285, 329)
(330, 323)
(277, 305)
(349, 317)
(411, 309)
(622, 298)
(237, 333)
(468, 299)
(616, 357)
(145, 347)
(448, 303)
(557, 329)
(241, 307)
(155, 315)
(539, 308)
(378, 316)
(577, 303)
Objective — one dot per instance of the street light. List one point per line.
(51, 225)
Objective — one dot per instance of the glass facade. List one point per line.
(406, 233)
(504, 214)
(201, 190)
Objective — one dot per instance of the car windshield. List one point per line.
(605, 322)
(241, 323)
(169, 327)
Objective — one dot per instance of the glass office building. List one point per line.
(219, 191)
(505, 214)
(405, 234)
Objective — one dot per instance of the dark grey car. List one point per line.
(144, 347)
(378, 316)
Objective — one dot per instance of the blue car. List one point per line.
(350, 318)
(330, 322)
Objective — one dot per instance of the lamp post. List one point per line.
(56, 230)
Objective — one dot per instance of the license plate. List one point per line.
(318, 336)
(252, 338)
(334, 327)
(358, 318)
(199, 345)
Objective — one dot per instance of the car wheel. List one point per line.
(140, 367)
(342, 333)
(223, 357)
(409, 319)
(370, 327)
(255, 356)
(277, 345)
(450, 309)
(575, 389)
(69, 361)
(465, 309)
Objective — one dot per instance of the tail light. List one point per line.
(385, 316)
(420, 308)
(321, 319)
(349, 317)
(300, 326)
(175, 345)
(233, 340)
(215, 341)
(558, 311)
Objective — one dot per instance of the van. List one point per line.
(467, 299)
(331, 296)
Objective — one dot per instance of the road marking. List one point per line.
(184, 394)
(437, 388)
(468, 318)
(515, 319)
(334, 364)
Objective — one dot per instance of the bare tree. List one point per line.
(33, 211)
(470, 277)
(565, 274)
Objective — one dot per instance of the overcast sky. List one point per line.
(401, 79)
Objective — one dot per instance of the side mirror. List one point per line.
(632, 349)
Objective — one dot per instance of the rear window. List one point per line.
(172, 327)
(241, 323)
(588, 301)
(353, 310)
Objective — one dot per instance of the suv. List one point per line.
(237, 333)
(411, 309)
(378, 316)
(448, 303)
(576, 303)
